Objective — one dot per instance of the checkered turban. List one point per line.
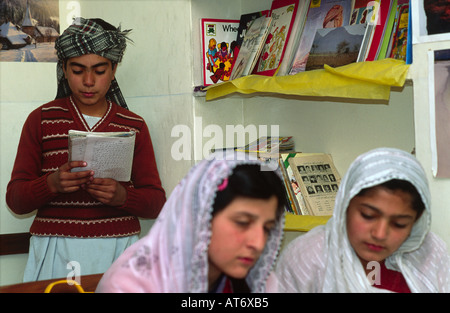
(86, 36)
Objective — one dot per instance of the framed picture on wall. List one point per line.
(439, 99)
(431, 20)
(28, 30)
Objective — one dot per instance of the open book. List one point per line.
(108, 154)
(318, 180)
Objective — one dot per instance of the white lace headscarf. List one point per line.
(173, 256)
(415, 260)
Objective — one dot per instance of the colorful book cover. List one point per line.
(400, 39)
(321, 14)
(218, 36)
(336, 46)
(245, 22)
(380, 25)
(283, 14)
(363, 12)
(384, 49)
(250, 48)
(294, 38)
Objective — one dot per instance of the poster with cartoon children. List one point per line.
(218, 41)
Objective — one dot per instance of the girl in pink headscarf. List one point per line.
(220, 231)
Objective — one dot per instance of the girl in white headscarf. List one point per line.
(378, 239)
(193, 245)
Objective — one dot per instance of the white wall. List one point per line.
(343, 129)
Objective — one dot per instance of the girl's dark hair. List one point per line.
(405, 186)
(251, 181)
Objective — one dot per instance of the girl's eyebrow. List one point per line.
(246, 214)
(253, 216)
(378, 211)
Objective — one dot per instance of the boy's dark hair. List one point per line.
(405, 186)
(250, 181)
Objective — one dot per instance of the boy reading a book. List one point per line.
(81, 218)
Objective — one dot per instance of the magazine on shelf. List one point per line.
(291, 206)
(318, 180)
(294, 38)
(283, 14)
(218, 36)
(321, 14)
(244, 23)
(400, 31)
(386, 41)
(380, 27)
(250, 48)
(108, 154)
(337, 46)
(363, 11)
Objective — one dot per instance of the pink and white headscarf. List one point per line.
(173, 256)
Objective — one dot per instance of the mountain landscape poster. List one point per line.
(336, 46)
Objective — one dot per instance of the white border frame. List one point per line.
(431, 101)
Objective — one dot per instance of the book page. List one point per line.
(318, 180)
(109, 156)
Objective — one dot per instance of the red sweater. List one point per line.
(392, 280)
(43, 148)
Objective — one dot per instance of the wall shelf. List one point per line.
(364, 80)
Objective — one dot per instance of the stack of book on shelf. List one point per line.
(293, 36)
(311, 180)
(269, 145)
